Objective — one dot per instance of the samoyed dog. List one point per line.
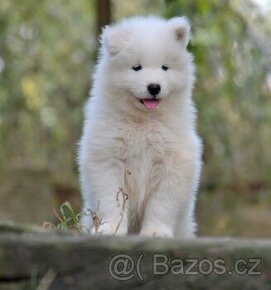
(139, 155)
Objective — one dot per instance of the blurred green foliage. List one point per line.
(231, 42)
(46, 49)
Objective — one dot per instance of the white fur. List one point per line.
(159, 147)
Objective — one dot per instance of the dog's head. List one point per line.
(145, 61)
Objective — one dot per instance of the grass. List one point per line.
(68, 219)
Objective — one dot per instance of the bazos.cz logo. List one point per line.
(123, 267)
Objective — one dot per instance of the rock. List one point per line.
(33, 259)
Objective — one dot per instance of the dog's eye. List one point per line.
(164, 67)
(137, 67)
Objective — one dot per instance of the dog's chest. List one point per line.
(142, 149)
(142, 144)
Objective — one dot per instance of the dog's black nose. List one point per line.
(154, 89)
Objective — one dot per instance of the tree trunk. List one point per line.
(103, 14)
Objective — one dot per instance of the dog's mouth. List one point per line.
(150, 104)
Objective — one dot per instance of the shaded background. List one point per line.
(47, 54)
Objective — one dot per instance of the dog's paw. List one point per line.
(103, 229)
(157, 232)
(108, 229)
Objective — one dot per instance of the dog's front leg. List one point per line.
(169, 209)
(103, 191)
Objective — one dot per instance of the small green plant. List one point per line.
(67, 219)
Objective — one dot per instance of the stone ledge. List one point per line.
(30, 257)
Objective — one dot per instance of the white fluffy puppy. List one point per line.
(140, 118)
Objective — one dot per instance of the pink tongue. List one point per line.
(151, 104)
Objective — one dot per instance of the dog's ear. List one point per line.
(181, 28)
(113, 39)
